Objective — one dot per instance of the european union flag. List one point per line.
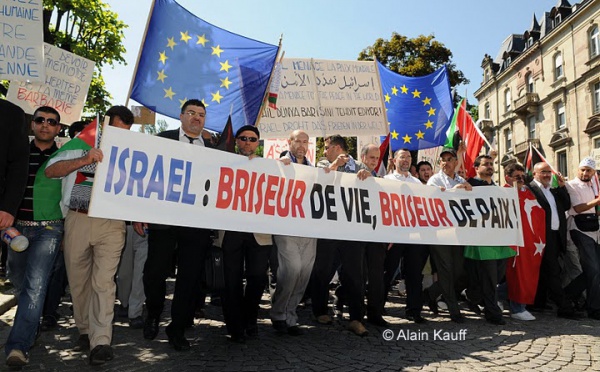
(419, 109)
(184, 57)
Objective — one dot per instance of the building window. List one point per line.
(530, 41)
(486, 77)
(530, 85)
(508, 140)
(594, 41)
(531, 127)
(557, 20)
(597, 98)
(561, 157)
(507, 100)
(596, 142)
(486, 111)
(558, 66)
(560, 115)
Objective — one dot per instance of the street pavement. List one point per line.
(546, 344)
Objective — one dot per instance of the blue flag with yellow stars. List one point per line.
(419, 109)
(184, 57)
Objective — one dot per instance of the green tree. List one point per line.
(418, 56)
(160, 126)
(89, 29)
(350, 141)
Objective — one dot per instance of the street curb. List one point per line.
(7, 301)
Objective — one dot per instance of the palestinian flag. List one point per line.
(532, 157)
(462, 128)
(226, 140)
(48, 191)
(523, 270)
(274, 87)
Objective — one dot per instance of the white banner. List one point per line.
(22, 40)
(272, 148)
(68, 78)
(152, 179)
(325, 97)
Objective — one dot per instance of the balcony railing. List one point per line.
(520, 148)
(528, 104)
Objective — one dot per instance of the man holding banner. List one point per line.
(92, 245)
(191, 244)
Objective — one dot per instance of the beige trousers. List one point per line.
(92, 250)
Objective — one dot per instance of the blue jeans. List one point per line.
(29, 271)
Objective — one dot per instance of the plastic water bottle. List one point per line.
(13, 238)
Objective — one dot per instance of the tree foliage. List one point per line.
(89, 29)
(418, 56)
(160, 126)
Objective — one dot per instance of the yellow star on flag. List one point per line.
(404, 89)
(201, 39)
(394, 90)
(216, 97)
(225, 82)
(217, 51)
(169, 93)
(431, 111)
(406, 138)
(420, 135)
(205, 104)
(161, 75)
(182, 102)
(387, 98)
(429, 124)
(171, 42)
(416, 94)
(225, 66)
(426, 101)
(163, 57)
(394, 135)
(185, 36)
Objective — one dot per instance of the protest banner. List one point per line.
(22, 41)
(68, 78)
(324, 97)
(152, 179)
(272, 148)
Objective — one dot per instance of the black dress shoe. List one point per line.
(457, 318)
(151, 328)
(279, 325)
(496, 321)
(568, 314)
(377, 320)
(474, 307)
(177, 339)
(237, 338)
(83, 343)
(537, 308)
(295, 331)
(101, 354)
(417, 318)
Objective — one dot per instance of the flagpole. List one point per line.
(266, 94)
(385, 118)
(137, 62)
(543, 158)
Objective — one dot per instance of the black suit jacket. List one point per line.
(14, 156)
(563, 203)
(174, 135)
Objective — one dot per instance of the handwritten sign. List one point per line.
(274, 147)
(68, 78)
(153, 179)
(325, 97)
(22, 40)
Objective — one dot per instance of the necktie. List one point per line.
(190, 138)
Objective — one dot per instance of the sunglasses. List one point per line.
(40, 120)
(247, 139)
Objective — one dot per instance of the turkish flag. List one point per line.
(523, 270)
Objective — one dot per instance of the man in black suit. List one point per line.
(14, 161)
(556, 202)
(191, 244)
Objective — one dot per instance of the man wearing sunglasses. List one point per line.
(29, 270)
(244, 253)
(92, 246)
(191, 244)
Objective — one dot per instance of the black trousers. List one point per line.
(415, 258)
(449, 263)
(243, 255)
(483, 282)
(192, 245)
(549, 283)
(375, 254)
(351, 255)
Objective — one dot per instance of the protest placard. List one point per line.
(324, 97)
(68, 78)
(22, 40)
(273, 148)
(152, 179)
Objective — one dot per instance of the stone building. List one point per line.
(543, 88)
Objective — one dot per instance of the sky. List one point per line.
(340, 29)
